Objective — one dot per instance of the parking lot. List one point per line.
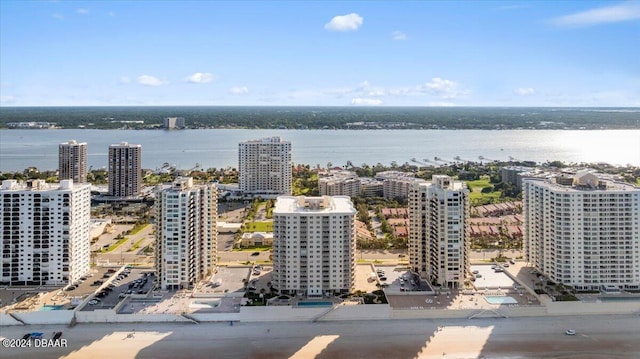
(488, 278)
(227, 281)
(133, 281)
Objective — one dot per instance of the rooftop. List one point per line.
(324, 204)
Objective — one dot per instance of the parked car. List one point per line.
(57, 335)
(475, 271)
(255, 254)
(570, 332)
(512, 261)
(36, 335)
(26, 336)
(383, 278)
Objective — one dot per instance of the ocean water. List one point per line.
(219, 147)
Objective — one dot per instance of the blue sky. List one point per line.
(429, 53)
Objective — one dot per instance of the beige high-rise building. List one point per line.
(45, 232)
(314, 245)
(186, 234)
(438, 236)
(396, 184)
(125, 170)
(583, 231)
(339, 183)
(264, 167)
(72, 161)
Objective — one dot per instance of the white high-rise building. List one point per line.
(314, 245)
(72, 161)
(173, 122)
(438, 238)
(584, 232)
(339, 183)
(125, 170)
(186, 234)
(45, 232)
(265, 166)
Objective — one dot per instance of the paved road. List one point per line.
(123, 255)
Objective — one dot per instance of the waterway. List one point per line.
(219, 147)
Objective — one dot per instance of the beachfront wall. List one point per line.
(279, 313)
(6, 320)
(110, 316)
(358, 312)
(215, 317)
(45, 317)
(580, 308)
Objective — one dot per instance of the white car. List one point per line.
(570, 332)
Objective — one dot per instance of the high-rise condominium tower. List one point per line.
(583, 231)
(72, 161)
(438, 238)
(265, 166)
(125, 170)
(186, 233)
(314, 245)
(45, 232)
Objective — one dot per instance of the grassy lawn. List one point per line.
(258, 227)
(114, 246)
(136, 245)
(138, 228)
(479, 198)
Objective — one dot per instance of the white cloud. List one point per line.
(124, 80)
(376, 93)
(398, 36)
(57, 16)
(82, 11)
(525, 91)
(148, 80)
(239, 90)
(359, 101)
(348, 22)
(443, 88)
(7, 99)
(625, 11)
(200, 78)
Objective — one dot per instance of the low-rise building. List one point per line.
(339, 183)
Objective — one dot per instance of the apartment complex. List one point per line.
(72, 161)
(583, 231)
(265, 166)
(125, 170)
(314, 245)
(45, 232)
(186, 235)
(339, 183)
(396, 184)
(438, 238)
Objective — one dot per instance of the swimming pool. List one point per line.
(315, 304)
(52, 307)
(501, 300)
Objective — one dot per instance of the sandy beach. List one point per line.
(597, 337)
